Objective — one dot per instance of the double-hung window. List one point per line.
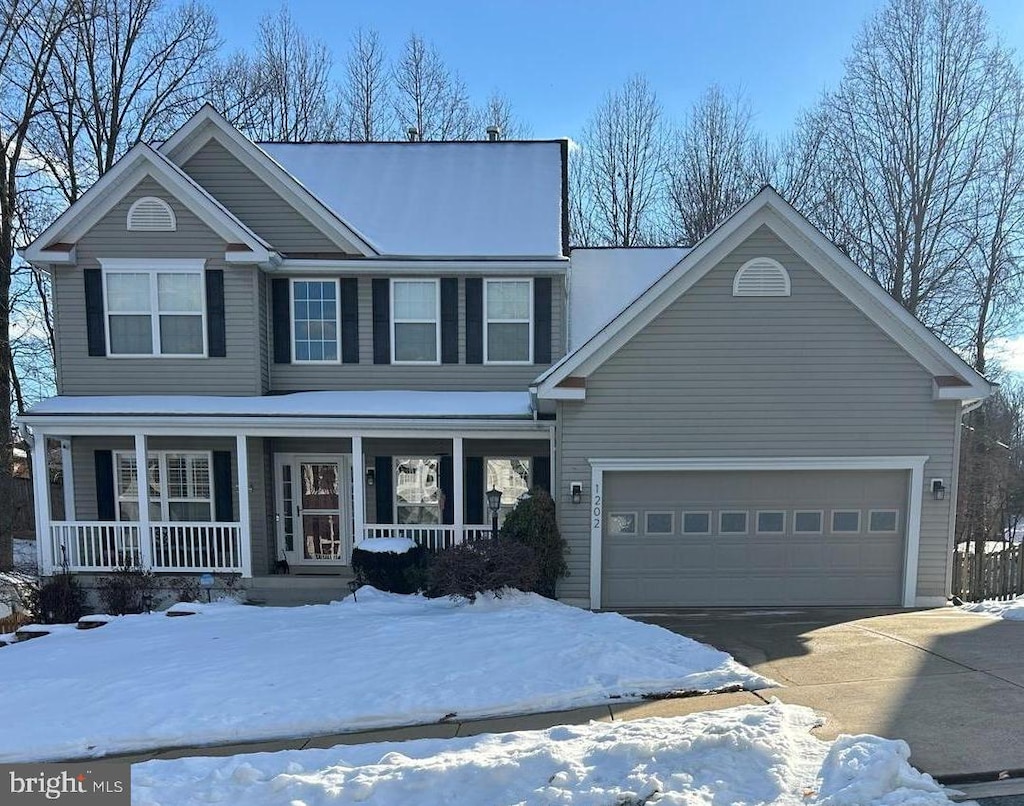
(418, 497)
(155, 307)
(512, 477)
(315, 321)
(415, 321)
(180, 486)
(508, 321)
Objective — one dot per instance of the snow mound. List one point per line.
(1011, 609)
(749, 755)
(386, 545)
(234, 673)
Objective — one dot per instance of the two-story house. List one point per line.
(307, 345)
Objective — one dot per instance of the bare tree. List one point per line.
(713, 165)
(29, 33)
(498, 111)
(582, 216)
(908, 127)
(622, 150)
(368, 111)
(429, 97)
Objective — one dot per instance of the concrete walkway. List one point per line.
(449, 730)
(951, 684)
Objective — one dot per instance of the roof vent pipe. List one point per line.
(413, 134)
(494, 133)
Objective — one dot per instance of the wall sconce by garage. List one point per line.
(371, 476)
(576, 492)
(938, 489)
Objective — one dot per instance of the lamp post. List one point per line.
(494, 505)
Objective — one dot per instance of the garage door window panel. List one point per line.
(808, 521)
(732, 523)
(659, 523)
(845, 521)
(696, 523)
(771, 522)
(622, 523)
(883, 521)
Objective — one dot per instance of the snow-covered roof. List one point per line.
(602, 282)
(389, 403)
(487, 199)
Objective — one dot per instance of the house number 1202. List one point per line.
(597, 506)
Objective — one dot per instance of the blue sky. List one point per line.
(555, 59)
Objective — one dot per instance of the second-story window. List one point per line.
(415, 321)
(508, 321)
(316, 322)
(155, 312)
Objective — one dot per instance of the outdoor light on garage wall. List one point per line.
(938, 489)
(576, 492)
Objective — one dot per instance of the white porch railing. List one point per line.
(430, 536)
(173, 546)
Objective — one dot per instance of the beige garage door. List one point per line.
(759, 538)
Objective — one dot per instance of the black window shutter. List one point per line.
(474, 490)
(95, 332)
(281, 303)
(449, 320)
(542, 473)
(381, 322)
(383, 486)
(105, 504)
(474, 320)
(223, 506)
(216, 339)
(542, 320)
(446, 471)
(350, 320)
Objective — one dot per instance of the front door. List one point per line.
(314, 518)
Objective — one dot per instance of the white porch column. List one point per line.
(67, 475)
(459, 477)
(244, 519)
(142, 482)
(41, 501)
(358, 490)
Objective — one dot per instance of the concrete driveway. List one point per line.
(949, 683)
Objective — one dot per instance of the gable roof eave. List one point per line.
(180, 146)
(109, 189)
(767, 208)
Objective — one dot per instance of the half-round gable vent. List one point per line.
(761, 277)
(150, 214)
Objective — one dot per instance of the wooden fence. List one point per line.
(989, 575)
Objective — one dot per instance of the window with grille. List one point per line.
(180, 486)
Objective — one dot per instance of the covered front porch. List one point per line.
(268, 495)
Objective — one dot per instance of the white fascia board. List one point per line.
(185, 142)
(53, 257)
(763, 463)
(461, 265)
(563, 393)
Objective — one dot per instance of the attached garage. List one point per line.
(766, 537)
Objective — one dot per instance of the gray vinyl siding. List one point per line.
(82, 374)
(448, 377)
(254, 202)
(720, 376)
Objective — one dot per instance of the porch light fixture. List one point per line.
(576, 492)
(494, 505)
(371, 476)
(938, 489)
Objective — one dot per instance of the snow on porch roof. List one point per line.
(394, 404)
(473, 199)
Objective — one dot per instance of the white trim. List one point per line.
(896, 522)
(821, 521)
(733, 532)
(337, 318)
(154, 267)
(459, 491)
(244, 515)
(190, 138)
(358, 490)
(528, 322)
(759, 263)
(165, 208)
(417, 266)
(141, 162)
(142, 496)
(672, 522)
(709, 514)
(436, 282)
(767, 208)
(757, 521)
(915, 496)
(844, 511)
(41, 500)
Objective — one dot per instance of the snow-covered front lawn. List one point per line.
(749, 755)
(234, 673)
(1012, 609)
